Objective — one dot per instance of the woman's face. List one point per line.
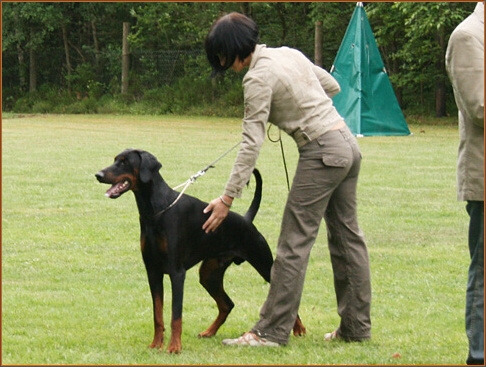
(238, 65)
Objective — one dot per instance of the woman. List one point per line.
(283, 87)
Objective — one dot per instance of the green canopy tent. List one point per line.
(367, 100)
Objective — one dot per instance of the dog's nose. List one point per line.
(100, 175)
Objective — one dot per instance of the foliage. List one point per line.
(76, 46)
(412, 37)
(171, 26)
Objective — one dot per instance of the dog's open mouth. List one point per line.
(118, 189)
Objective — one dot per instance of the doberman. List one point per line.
(172, 240)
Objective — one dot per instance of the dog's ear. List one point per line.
(148, 165)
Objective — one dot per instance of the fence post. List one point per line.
(318, 44)
(125, 58)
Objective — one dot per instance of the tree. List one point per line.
(27, 25)
(413, 38)
(173, 25)
(335, 18)
(77, 45)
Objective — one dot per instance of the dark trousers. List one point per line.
(324, 186)
(475, 284)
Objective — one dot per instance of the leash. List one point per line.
(194, 177)
(282, 150)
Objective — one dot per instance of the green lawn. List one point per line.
(74, 288)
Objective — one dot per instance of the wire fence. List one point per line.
(158, 68)
(148, 68)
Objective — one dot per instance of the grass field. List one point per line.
(74, 289)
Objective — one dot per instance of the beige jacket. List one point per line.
(465, 66)
(284, 87)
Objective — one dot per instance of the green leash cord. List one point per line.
(282, 150)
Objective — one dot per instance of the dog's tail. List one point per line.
(257, 197)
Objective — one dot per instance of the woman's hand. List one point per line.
(219, 209)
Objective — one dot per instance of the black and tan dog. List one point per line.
(172, 240)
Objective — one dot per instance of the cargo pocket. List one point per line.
(335, 161)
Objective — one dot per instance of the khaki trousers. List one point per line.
(324, 186)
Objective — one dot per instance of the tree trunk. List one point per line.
(318, 44)
(22, 78)
(69, 68)
(32, 66)
(20, 58)
(440, 104)
(281, 15)
(246, 9)
(440, 87)
(32, 71)
(96, 46)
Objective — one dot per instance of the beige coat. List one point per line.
(465, 66)
(284, 87)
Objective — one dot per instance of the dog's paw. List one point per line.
(156, 344)
(206, 334)
(299, 328)
(174, 348)
(300, 332)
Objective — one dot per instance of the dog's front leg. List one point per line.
(177, 283)
(156, 284)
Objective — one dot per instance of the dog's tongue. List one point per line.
(116, 190)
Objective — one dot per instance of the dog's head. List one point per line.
(130, 167)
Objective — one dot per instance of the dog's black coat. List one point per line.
(172, 240)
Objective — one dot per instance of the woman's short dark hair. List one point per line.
(230, 36)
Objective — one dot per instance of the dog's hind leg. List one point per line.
(261, 259)
(258, 254)
(211, 274)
